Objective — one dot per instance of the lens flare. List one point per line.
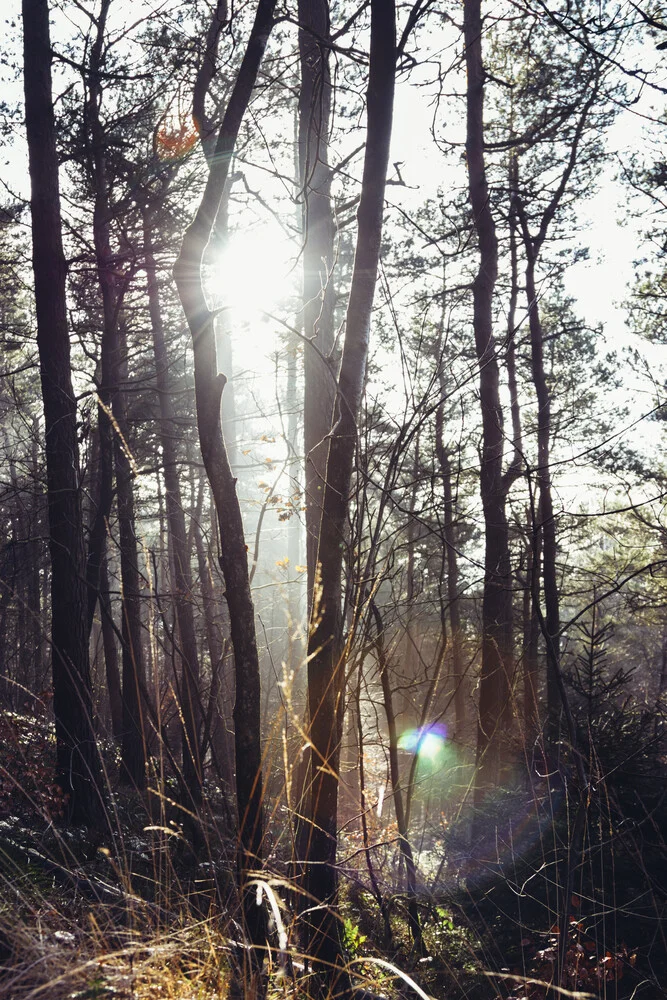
(176, 134)
(425, 741)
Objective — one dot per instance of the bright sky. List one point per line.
(259, 266)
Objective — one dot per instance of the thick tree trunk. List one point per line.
(221, 730)
(178, 539)
(318, 258)
(234, 557)
(325, 647)
(496, 669)
(77, 758)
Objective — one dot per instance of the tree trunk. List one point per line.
(133, 769)
(497, 597)
(111, 298)
(449, 531)
(234, 557)
(411, 654)
(113, 440)
(221, 731)
(110, 654)
(318, 230)
(178, 539)
(78, 763)
(395, 771)
(547, 521)
(325, 647)
(531, 633)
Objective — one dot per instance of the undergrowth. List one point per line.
(133, 912)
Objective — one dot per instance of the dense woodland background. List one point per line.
(342, 673)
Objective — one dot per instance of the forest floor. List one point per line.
(134, 913)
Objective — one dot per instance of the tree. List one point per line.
(77, 759)
(326, 665)
(497, 639)
(318, 229)
(234, 560)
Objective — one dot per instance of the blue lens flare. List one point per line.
(425, 741)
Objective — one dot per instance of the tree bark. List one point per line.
(221, 730)
(133, 767)
(395, 772)
(546, 527)
(106, 275)
(113, 440)
(233, 558)
(110, 653)
(78, 763)
(178, 538)
(318, 230)
(449, 532)
(497, 597)
(325, 647)
(531, 634)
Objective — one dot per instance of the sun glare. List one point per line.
(256, 272)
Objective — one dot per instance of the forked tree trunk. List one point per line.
(494, 687)
(234, 557)
(325, 646)
(78, 763)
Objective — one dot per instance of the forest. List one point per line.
(333, 499)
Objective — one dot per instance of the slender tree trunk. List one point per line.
(133, 770)
(20, 536)
(36, 564)
(531, 633)
(497, 597)
(550, 625)
(178, 537)
(113, 408)
(110, 653)
(449, 531)
(325, 647)
(395, 772)
(547, 521)
(111, 299)
(318, 258)
(233, 558)
(294, 523)
(7, 585)
(77, 758)
(411, 655)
